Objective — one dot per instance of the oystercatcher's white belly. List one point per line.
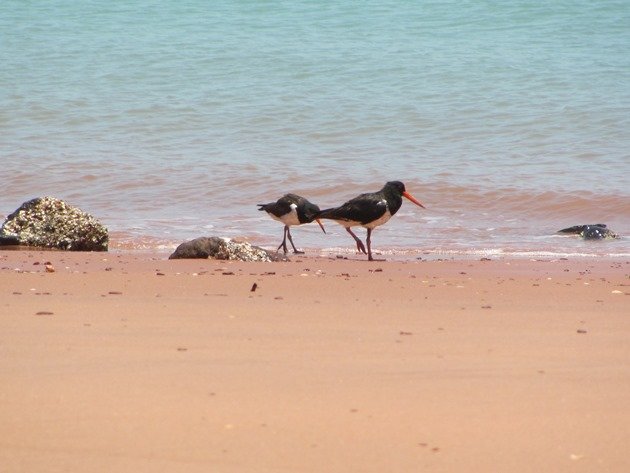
(379, 221)
(290, 218)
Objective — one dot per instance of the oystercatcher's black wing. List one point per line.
(364, 209)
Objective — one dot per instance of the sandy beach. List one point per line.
(134, 363)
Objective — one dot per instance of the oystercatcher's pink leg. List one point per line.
(295, 250)
(360, 246)
(369, 246)
(283, 245)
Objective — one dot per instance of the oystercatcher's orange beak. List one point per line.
(320, 224)
(413, 199)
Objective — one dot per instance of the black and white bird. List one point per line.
(369, 210)
(292, 209)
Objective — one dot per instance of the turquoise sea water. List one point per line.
(171, 120)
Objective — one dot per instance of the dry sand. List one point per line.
(134, 363)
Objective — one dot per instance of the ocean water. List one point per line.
(172, 120)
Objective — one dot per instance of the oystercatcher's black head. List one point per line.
(308, 213)
(398, 188)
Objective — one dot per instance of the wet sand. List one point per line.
(131, 362)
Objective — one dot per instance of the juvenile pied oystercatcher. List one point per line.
(291, 209)
(369, 210)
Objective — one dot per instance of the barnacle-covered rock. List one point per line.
(48, 222)
(224, 249)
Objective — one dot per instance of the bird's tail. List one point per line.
(327, 213)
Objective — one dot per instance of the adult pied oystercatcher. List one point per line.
(369, 210)
(291, 209)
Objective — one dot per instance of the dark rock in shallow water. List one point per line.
(224, 249)
(47, 222)
(597, 231)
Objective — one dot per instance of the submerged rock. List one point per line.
(224, 249)
(47, 222)
(597, 231)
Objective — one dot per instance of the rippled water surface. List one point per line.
(171, 120)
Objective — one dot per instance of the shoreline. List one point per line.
(398, 255)
(409, 253)
(133, 362)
